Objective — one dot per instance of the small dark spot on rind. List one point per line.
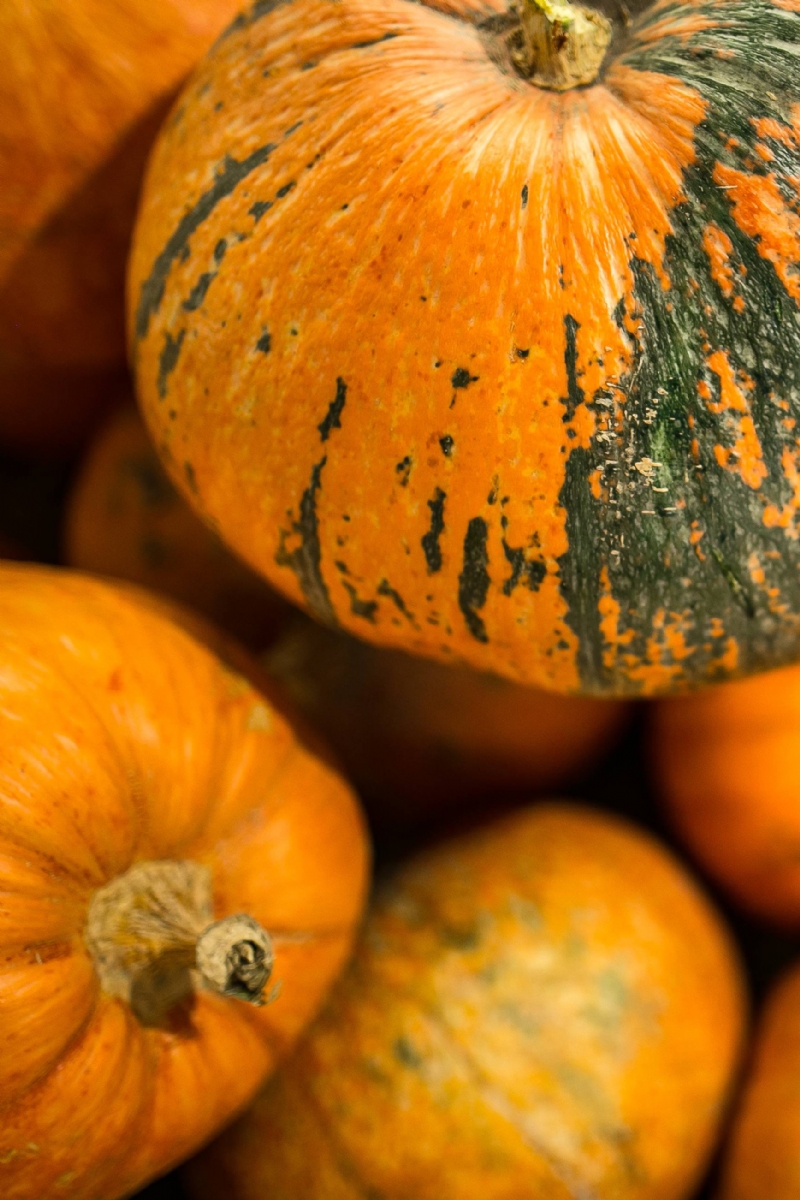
(574, 391)
(365, 609)
(521, 353)
(191, 478)
(258, 209)
(306, 559)
(406, 1054)
(198, 293)
(386, 589)
(446, 444)
(264, 343)
(168, 360)
(219, 249)
(155, 489)
(386, 37)
(529, 573)
(461, 377)
(403, 469)
(474, 580)
(287, 187)
(333, 415)
(525, 196)
(308, 66)
(430, 542)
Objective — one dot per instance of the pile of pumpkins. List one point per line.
(424, 380)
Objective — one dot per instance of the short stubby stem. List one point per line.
(154, 940)
(559, 45)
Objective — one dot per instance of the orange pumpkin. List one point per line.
(125, 519)
(762, 1159)
(547, 1007)
(728, 764)
(169, 851)
(420, 739)
(84, 85)
(478, 367)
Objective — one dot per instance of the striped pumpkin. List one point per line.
(478, 367)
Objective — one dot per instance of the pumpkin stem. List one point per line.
(154, 941)
(560, 45)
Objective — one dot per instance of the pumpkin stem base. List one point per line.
(559, 45)
(154, 941)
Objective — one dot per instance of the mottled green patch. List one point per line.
(659, 487)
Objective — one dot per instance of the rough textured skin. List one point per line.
(420, 739)
(763, 1155)
(728, 766)
(123, 739)
(125, 519)
(478, 369)
(544, 1010)
(83, 88)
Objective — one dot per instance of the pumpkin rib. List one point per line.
(15, 1115)
(294, 752)
(12, 832)
(39, 1009)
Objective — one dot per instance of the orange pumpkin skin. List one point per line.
(728, 764)
(480, 370)
(420, 739)
(763, 1153)
(125, 740)
(125, 519)
(543, 1009)
(84, 85)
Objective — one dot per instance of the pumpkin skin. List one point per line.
(84, 85)
(763, 1154)
(125, 519)
(477, 369)
(542, 1009)
(728, 766)
(126, 740)
(419, 739)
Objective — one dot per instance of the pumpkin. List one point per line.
(420, 739)
(169, 852)
(84, 85)
(762, 1157)
(727, 760)
(546, 1007)
(478, 367)
(125, 519)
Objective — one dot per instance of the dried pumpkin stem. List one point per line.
(560, 45)
(154, 941)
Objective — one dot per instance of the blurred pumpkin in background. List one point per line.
(727, 764)
(762, 1159)
(169, 852)
(84, 85)
(421, 739)
(546, 1007)
(124, 518)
